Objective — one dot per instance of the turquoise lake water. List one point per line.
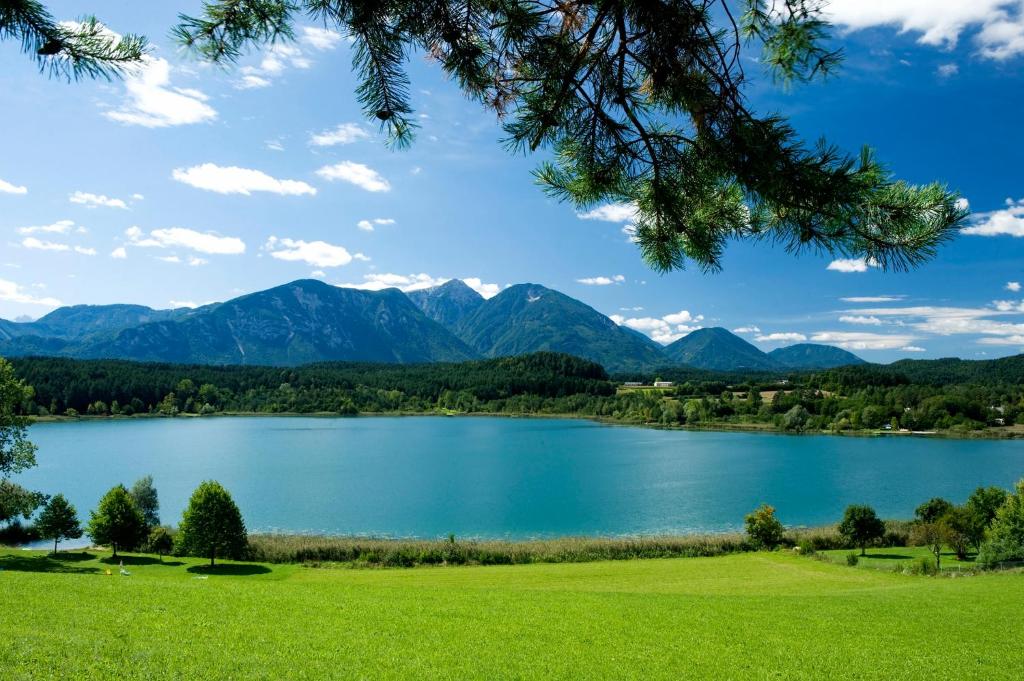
(502, 477)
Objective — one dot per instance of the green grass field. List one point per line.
(755, 615)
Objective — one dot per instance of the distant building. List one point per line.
(663, 384)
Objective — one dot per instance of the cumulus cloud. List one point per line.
(181, 237)
(664, 330)
(861, 319)
(152, 102)
(320, 38)
(947, 70)
(999, 24)
(40, 245)
(418, 282)
(85, 250)
(346, 133)
(862, 340)
(278, 58)
(912, 348)
(94, 200)
(235, 180)
(747, 329)
(873, 299)
(59, 227)
(601, 281)
(14, 293)
(119, 253)
(1013, 286)
(485, 290)
(1008, 221)
(611, 212)
(358, 174)
(781, 337)
(8, 188)
(851, 265)
(178, 304)
(367, 225)
(316, 253)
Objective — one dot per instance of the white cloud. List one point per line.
(277, 59)
(59, 227)
(1013, 286)
(316, 253)
(367, 225)
(152, 103)
(851, 265)
(872, 299)
(860, 340)
(611, 212)
(947, 70)
(196, 262)
(664, 330)
(169, 258)
(181, 237)
(355, 173)
(94, 200)
(1008, 221)
(747, 329)
(912, 348)
(346, 133)
(601, 281)
(119, 253)
(235, 180)
(320, 38)
(85, 251)
(13, 293)
(485, 290)
(781, 337)
(39, 245)
(404, 282)
(274, 145)
(8, 188)
(999, 23)
(861, 319)
(251, 81)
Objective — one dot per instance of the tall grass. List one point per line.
(361, 552)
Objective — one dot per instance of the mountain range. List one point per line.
(310, 321)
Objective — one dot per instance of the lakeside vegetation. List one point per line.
(950, 397)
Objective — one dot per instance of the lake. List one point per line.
(506, 477)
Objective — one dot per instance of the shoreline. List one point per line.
(1002, 433)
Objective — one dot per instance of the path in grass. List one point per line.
(739, 616)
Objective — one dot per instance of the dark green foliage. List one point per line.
(161, 541)
(861, 526)
(932, 510)
(144, 494)
(933, 534)
(763, 528)
(813, 356)
(961, 526)
(983, 505)
(212, 525)
(1004, 542)
(59, 520)
(117, 522)
(17, 453)
(852, 559)
(71, 50)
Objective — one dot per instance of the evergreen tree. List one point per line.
(212, 524)
(59, 520)
(641, 104)
(68, 49)
(117, 521)
(145, 497)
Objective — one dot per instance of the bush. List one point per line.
(1005, 539)
(763, 528)
(852, 559)
(923, 566)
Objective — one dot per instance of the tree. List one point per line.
(117, 521)
(932, 510)
(1004, 541)
(960, 527)
(212, 525)
(144, 494)
(930, 534)
(161, 541)
(861, 526)
(17, 453)
(68, 49)
(796, 418)
(59, 520)
(763, 528)
(983, 505)
(641, 104)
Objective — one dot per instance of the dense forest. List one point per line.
(923, 395)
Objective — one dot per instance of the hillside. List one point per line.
(447, 304)
(529, 317)
(813, 356)
(720, 350)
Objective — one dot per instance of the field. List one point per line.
(755, 615)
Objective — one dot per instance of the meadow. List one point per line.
(747, 615)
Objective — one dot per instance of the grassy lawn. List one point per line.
(740, 616)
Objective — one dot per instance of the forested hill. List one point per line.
(132, 387)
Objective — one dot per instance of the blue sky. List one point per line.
(188, 184)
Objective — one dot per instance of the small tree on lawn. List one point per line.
(933, 535)
(144, 494)
(763, 528)
(59, 520)
(960, 526)
(117, 521)
(212, 524)
(861, 526)
(161, 541)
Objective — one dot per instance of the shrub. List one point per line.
(763, 528)
(852, 559)
(923, 566)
